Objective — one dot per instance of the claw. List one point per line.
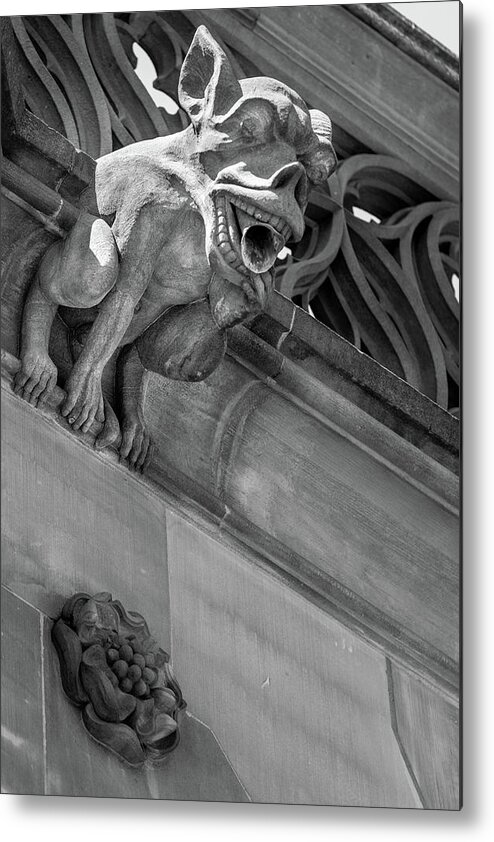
(111, 430)
(143, 455)
(36, 377)
(136, 443)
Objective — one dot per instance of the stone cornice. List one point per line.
(335, 363)
(400, 31)
(410, 39)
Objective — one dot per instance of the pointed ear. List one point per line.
(207, 84)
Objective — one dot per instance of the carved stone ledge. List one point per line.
(314, 349)
(112, 668)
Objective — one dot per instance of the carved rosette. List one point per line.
(112, 668)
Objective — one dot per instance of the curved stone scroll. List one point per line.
(377, 264)
(112, 668)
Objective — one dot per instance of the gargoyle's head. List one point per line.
(259, 149)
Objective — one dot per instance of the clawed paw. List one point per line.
(36, 378)
(111, 428)
(84, 402)
(136, 445)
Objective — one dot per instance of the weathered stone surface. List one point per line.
(333, 496)
(211, 583)
(72, 523)
(298, 702)
(427, 726)
(22, 701)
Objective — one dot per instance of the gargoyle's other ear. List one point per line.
(320, 162)
(207, 84)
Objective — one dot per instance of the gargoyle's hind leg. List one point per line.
(111, 428)
(185, 343)
(132, 381)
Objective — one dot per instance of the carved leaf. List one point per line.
(116, 737)
(69, 650)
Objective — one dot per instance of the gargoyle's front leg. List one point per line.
(139, 252)
(37, 375)
(77, 271)
(132, 381)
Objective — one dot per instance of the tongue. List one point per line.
(260, 243)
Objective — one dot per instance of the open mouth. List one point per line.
(248, 238)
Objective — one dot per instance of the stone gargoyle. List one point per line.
(175, 243)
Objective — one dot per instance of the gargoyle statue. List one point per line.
(175, 243)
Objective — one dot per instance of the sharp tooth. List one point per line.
(225, 222)
(275, 221)
(223, 237)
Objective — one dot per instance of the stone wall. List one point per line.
(301, 708)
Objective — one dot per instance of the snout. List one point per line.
(282, 195)
(255, 217)
(291, 182)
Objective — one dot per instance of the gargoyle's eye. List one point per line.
(250, 128)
